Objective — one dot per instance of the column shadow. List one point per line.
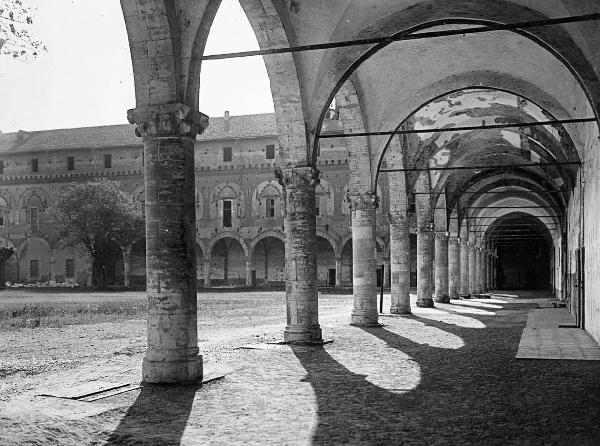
(468, 395)
(157, 417)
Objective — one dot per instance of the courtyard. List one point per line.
(444, 375)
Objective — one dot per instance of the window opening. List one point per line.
(227, 213)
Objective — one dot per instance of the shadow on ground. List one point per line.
(158, 416)
(477, 394)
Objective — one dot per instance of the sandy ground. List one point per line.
(442, 376)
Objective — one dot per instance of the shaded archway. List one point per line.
(268, 260)
(227, 262)
(326, 272)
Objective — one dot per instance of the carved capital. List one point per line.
(291, 177)
(398, 218)
(454, 241)
(441, 236)
(363, 202)
(167, 120)
(425, 228)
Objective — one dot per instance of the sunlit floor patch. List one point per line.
(448, 318)
(419, 332)
(382, 366)
(464, 309)
(476, 303)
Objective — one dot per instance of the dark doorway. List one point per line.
(331, 277)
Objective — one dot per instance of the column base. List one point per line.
(171, 372)
(455, 297)
(301, 334)
(464, 296)
(364, 319)
(445, 299)
(400, 310)
(425, 303)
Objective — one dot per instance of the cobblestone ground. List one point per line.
(441, 376)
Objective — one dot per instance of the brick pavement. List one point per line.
(542, 337)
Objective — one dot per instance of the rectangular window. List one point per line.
(270, 151)
(227, 213)
(70, 268)
(34, 269)
(34, 165)
(226, 154)
(34, 217)
(70, 163)
(1, 218)
(1, 167)
(317, 206)
(270, 210)
(107, 161)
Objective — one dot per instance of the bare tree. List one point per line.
(15, 38)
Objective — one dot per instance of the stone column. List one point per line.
(472, 269)
(424, 257)
(169, 132)
(465, 290)
(482, 270)
(364, 259)
(249, 272)
(338, 272)
(441, 268)
(478, 270)
(207, 272)
(302, 305)
(386, 272)
(400, 264)
(453, 268)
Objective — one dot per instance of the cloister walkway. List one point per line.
(444, 375)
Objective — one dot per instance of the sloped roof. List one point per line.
(245, 126)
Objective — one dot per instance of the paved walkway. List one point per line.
(542, 337)
(442, 376)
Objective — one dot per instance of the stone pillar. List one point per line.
(302, 305)
(494, 265)
(364, 259)
(477, 284)
(207, 272)
(441, 268)
(472, 269)
(400, 264)
(465, 290)
(249, 272)
(169, 132)
(453, 268)
(482, 270)
(386, 272)
(424, 257)
(338, 272)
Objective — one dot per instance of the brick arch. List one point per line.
(339, 64)
(228, 234)
(327, 236)
(263, 235)
(38, 192)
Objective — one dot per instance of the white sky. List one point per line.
(85, 78)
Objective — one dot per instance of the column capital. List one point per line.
(167, 120)
(442, 236)
(425, 227)
(454, 240)
(398, 218)
(363, 201)
(293, 177)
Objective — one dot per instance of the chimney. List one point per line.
(226, 121)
